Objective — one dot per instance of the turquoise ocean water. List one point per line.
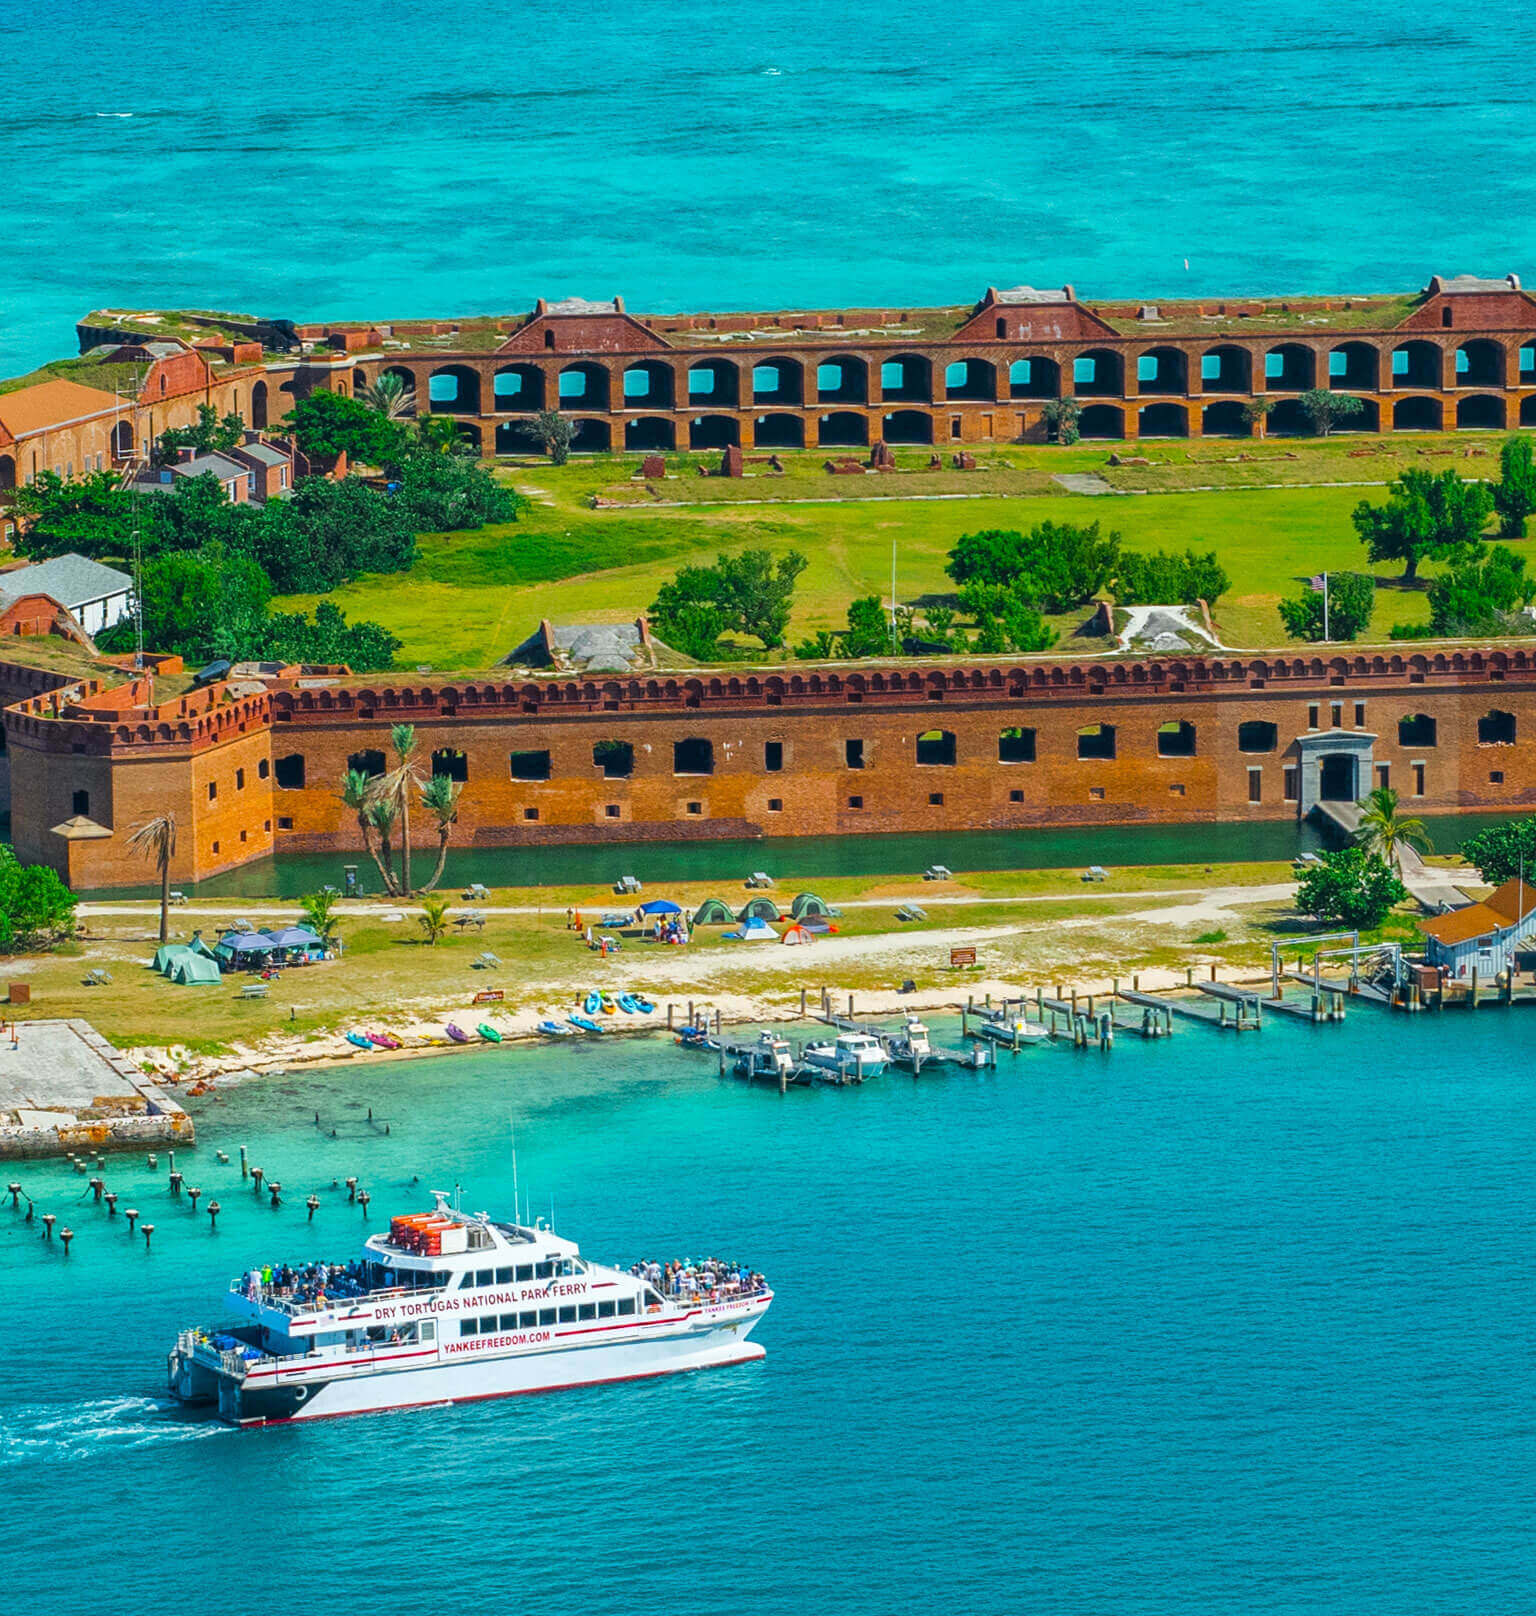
(1218, 1324)
(358, 159)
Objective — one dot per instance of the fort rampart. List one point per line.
(815, 752)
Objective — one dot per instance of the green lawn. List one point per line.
(473, 596)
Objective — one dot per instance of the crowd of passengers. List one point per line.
(707, 1278)
(315, 1282)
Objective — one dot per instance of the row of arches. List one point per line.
(720, 383)
(1227, 419)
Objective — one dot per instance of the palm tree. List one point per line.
(390, 396)
(319, 913)
(1384, 831)
(440, 797)
(156, 839)
(382, 814)
(357, 793)
(396, 788)
(438, 432)
(433, 918)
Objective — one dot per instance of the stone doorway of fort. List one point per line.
(1338, 781)
(1335, 766)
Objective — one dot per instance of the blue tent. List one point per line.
(660, 906)
(235, 945)
(294, 937)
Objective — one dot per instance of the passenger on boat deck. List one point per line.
(706, 1277)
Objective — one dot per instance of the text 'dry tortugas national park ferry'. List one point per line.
(450, 1306)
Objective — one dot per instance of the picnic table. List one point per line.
(472, 920)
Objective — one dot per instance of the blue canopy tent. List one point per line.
(289, 938)
(243, 948)
(660, 906)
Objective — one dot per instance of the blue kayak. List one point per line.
(642, 1004)
(359, 1040)
(627, 1004)
(593, 1004)
(586, 1023)
(555, 1029)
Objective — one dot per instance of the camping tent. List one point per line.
(757, 931)
(712, 912)
(798, 934)
(807, 903)
(166, 956)
(242, 947)
(193, 969)
(759, 909)
(660, 906)
(295, 937)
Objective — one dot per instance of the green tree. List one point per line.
(326, 425)
(869, 628)
(1351, 600)
(554, 433)
(320, 913)
(1060, 417)
(357, 795)
(1503, 852)
(91, 516)
(1256, 412)
(433, 918)
(155, 839)
(1162, 578)
(390, 396)
(1385, 831)
(1324, 409)
(1481, 593)
(440, 435)
(1425, 516)
(200, 606)
(750, 593)
(329, 532)
(1350, 887)
(397, 788)
(209, 434)
(452, 493)
(36, 909)
(1514, 495)
(1054, 567)
(363, 646)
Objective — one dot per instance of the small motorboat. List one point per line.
(456, 1033)
(769, 1057)
(593, 1003)
(586, 1023)
(643, 1005)
(849, 1058)
(385, 1040)
(488, 1033)
(627, 1004)
(554, 1029)
(1001, 1027)
(696, 1038)
(359, 1040)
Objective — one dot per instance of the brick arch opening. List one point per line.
(258, 411)
(1162, 370)
(1417, 364)
(842, 379)
(454, 390)
(907, 426)
(1163, 421)
(843, 429)
(1035, 377)
(713, 431)
(714, 382)
(1354, 367)
(1287, 420)
(1528, 411)
(907, 378)
(650, 434)
(518, 387)
(648, 385)
(778, 430)
(591, 437)
(1290, 368)
(584, 386)
(970, 378)
(1481, 411)
(1418, 415)
(1226, 369)
(1101, 421)
(1225, 419)
(1480, 363)
(778, 381)
(7, 471)
(1099, 373)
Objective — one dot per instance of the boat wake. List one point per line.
(118, 1424)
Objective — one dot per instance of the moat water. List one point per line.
(419, 161)
(1239, 1325)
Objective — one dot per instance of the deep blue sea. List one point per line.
(1220, 1324)
(354, 158)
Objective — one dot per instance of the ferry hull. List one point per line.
(262, 1402)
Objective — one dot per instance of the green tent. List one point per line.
(807, 903)
(166, 956)
(198, 946)
(713, 912)
(194, 970)
(759, 909)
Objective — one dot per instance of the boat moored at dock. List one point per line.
(449, 1306)
(848, 1058)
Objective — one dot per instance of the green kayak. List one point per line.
(488, 1033)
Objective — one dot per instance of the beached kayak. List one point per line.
(488, 1033)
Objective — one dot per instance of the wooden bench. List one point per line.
(253, 990)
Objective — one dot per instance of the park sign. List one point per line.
(962, 956)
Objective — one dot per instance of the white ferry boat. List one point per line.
(450, 1306)
(850, 1057)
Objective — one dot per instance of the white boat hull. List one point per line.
(305, 1394)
